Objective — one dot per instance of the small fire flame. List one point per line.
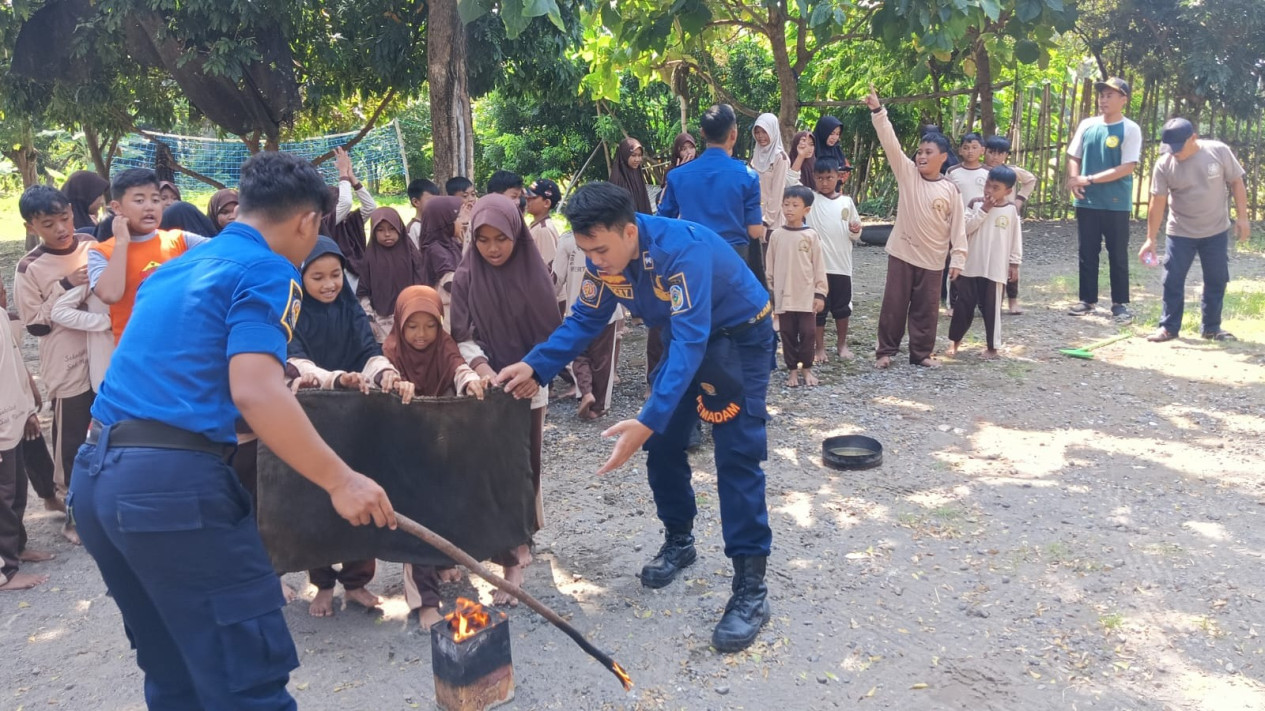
(467, 620)
(623, 676)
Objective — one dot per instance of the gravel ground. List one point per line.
(1044, 533)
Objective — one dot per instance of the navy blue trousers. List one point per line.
(741, 445)
(1179, 255)
(174, 535)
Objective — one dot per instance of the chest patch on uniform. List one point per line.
(678, 293)
(1113, 141)
(1214, 171)
(290, 314)
(619, 286)
(940, 206)
(646, 262)
(1003, 222)
(590, 291)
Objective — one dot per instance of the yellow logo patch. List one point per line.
(1113, 141)
(591, 291)
(294, 304)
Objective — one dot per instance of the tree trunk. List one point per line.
(787, 84)
(984, 89)
(93, 140)
(451, 119)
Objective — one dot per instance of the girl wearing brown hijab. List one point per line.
(391, 264)
(85, 191)
(626, 173)
(502, 306)
(684, 149)
(430, 365)
(440, 245)
(222, 209)
(170, 193)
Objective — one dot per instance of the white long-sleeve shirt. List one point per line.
(343, 208)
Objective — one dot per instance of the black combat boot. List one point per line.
(748, 608)
(677, 553)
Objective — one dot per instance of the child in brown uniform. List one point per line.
(997, 152)
(797, 278)
(929, 223)
(996, 249)
(430, 365)
(58, 265)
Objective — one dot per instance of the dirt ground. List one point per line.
(1044, 533)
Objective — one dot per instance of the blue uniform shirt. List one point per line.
(232, 295)
(687, 280)
(717, 192)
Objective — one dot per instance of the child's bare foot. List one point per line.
(53, 503)
(514, 574)
(30, 556)
(428, 617)
(322, 605)
(811, 380)
(287, 592)
(929, 363)
(586, 407)
(949, 312)
(792, 379)
(449, 575)
(562, 392)
(953, 348)
(1015, 309)
(990, 354)
(820, 356)
(23, 581)
(362, 597)
(883, 362)
(844, 353)
(69, 533)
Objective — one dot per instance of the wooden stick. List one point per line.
(446, 547)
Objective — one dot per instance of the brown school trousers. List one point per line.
(654, 351)
(973, 292)
(910, 296)
(40, 469)
(12, 509)
(594, 369)
(799, 338)
(72, 416)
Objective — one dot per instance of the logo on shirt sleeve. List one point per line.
(678, 293)
(646, 262)
(590, 290)
(290, 315)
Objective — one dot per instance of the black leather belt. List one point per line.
(759, 318)
(148, 433)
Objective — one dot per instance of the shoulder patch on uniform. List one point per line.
(290, 314)
(590, 290)
(679, 293)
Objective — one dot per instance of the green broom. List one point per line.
(1085, 352)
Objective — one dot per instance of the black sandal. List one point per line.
(1219, 336)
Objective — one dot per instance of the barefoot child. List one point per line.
(502, 306)
(929, 224)
(333, 349)
(997, 152)
(430, 365)
(797, 278)
(57, 265)
(391, 265)
(969, 175)
(838, 226)
(994, 254)
(18, 422)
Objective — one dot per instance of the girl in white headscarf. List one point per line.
(769, 161)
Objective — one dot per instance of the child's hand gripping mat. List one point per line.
(459, 466)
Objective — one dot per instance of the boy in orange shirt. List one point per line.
(117, 267)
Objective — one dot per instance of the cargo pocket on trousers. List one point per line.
(160, 512)
(255, 644)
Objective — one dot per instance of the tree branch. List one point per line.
(721, 92)
(364, 131)
(176, 164)
(903, 99)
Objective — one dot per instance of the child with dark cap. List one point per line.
(542, 197)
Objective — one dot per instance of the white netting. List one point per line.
(377, 156)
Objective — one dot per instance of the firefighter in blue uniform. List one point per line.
(157, 503)
(718, 346)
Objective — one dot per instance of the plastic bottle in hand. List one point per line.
(1150, 259)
